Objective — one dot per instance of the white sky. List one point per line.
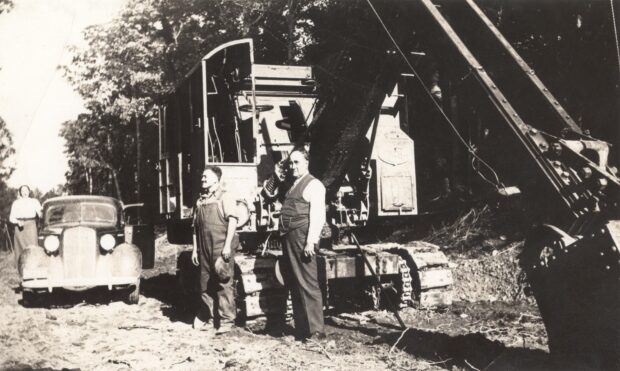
(34, 97)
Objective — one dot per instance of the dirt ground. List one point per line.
(485, 329)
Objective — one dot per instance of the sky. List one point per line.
(35, 99)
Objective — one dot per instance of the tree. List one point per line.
(6, 152)
(97, 146)
(5, 6)
(571, 46)
(130, 64)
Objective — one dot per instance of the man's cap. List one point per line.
(223, 269)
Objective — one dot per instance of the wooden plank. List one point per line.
(387, 264)
(273, 302)
(344, 266)
(249, 264)
(429, 259)
(435, 278)
(418, 247)
(429, 299)
(254, 282)
(281, 72)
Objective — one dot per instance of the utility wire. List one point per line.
(470, 149)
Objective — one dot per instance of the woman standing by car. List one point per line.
(24, 212)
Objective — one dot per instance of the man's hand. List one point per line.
(226, 253)
(20, 223)
(309, 250)
(195, 257)
(280, 170)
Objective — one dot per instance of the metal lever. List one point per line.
(378, 283)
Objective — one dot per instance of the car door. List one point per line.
(139, 231)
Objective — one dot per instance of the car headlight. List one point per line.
(107, 242)
(51, 243)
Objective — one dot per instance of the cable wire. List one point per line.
(613, 19)
(470, 149)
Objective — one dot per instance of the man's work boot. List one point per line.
(315, 336)
(224, 328)
(200, 324)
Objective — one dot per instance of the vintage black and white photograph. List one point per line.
(309, 185)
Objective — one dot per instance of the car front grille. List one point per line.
(79, 252)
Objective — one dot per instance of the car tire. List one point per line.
(29, 298)
(133, 296)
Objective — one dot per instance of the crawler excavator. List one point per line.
(365, 144)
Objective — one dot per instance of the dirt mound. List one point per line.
(483, 245)
(493, 277)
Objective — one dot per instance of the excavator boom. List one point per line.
(571, 258)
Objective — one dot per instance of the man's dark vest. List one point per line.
(295, 212)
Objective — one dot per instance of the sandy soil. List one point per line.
(86, 332)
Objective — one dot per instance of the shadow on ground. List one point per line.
(62, 298)
(470, 351)
(175, 304)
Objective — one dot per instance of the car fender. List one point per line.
(127, 260)
(33, 263)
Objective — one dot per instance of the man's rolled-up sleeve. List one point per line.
(229, 207)
(315, 194)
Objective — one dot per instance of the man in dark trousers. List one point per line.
(215, 242)
(301, 219)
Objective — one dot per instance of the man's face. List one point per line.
(209, 179)
(299, 164)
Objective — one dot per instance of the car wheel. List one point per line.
(29, 298)
(133, 296)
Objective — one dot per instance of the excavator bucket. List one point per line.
(576, 283)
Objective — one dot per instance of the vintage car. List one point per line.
(82, 244)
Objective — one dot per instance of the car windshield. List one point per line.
(81, 212)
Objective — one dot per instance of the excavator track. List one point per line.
(405, 288)
(426, 278)
(419, 271)
(258, 291)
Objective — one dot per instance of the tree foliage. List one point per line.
(139, 56)
(129, 64)
(98, 146)
(5, 6)
(6, 152)
(571, 46)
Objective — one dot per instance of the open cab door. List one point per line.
(139, 231)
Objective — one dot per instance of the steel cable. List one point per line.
(613, 19)
(470, 149)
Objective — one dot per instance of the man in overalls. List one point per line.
(215, 237)
(301, 219)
